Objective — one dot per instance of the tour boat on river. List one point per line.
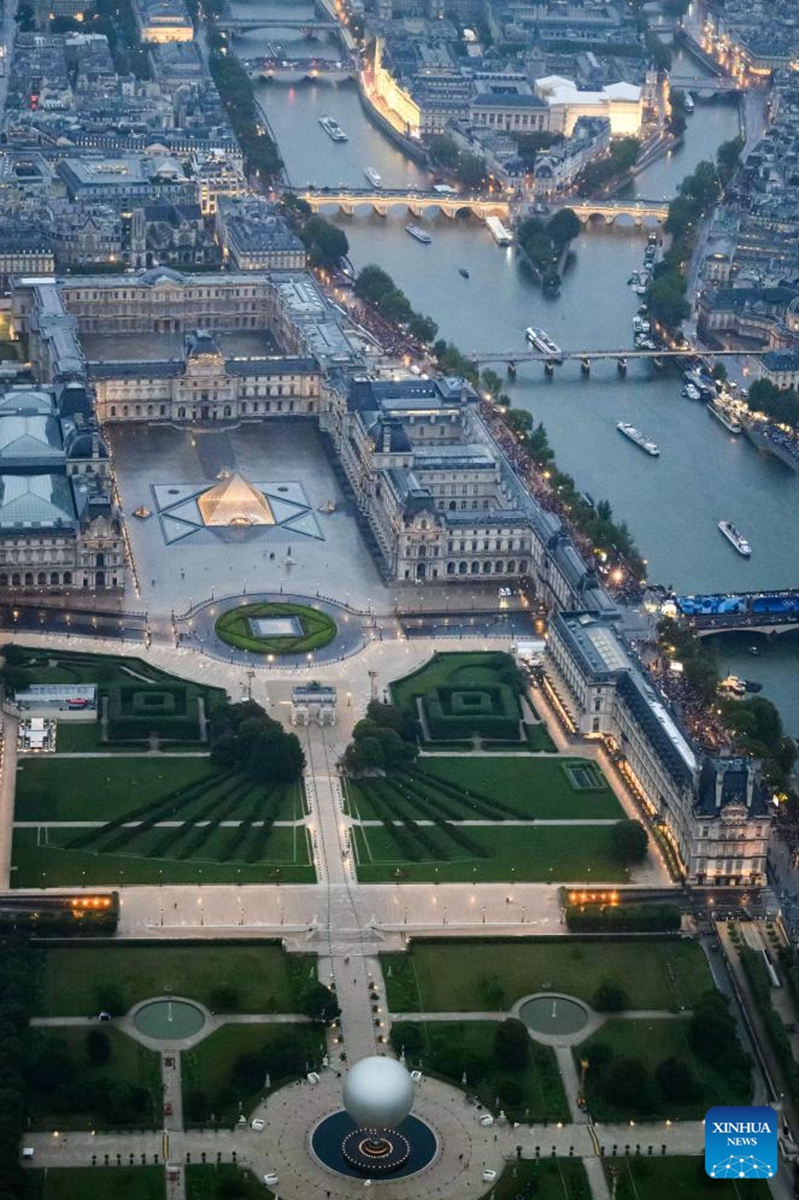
(735, 537)
(639, 438)
(333, 129)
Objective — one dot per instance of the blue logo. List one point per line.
(741, 1143)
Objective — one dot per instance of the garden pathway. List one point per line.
(8, 787)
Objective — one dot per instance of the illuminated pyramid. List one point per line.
(234, 501)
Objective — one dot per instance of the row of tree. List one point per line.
(246, 739)
(620, 158)
(781, 406)
(754, 721)
(261, 155)
(469, 169)
(666, 296)
(18, 973)
(384, 740)
(596, 522)
(376, 286)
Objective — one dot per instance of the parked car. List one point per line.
(312, 1077)
(271, 1179)
(258, 1125)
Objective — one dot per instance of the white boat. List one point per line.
(691, 392)
(725, 416)
(735, 537)
(421, 235)
(333, 129)
(374, 178)
(640, 324)
(688, 103)
(543, 342)
(640, 289)
(639, 438)
(499, 232)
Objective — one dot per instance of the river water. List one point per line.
(672, 503)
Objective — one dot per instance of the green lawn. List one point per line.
(75, 737)
(99, 1183)
(530, 787)
(98, 789)
(210, 1068)
(469, 666)
(651, 1042)
(677, 1179)
(286, 858)
(206, 1182)
(265, 978)
(553, 1179)
(475, 976)
(66, 1102)
(536, 854)
(452, 1048)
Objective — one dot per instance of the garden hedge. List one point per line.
(233, 627)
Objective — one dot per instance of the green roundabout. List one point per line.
(274, 628)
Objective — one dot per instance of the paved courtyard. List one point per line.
(331, 560)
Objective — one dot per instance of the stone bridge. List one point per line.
(610, 210)
(417, 202)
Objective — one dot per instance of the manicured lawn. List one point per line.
(652, 1042)
(236, 628)
(265, 978)
(98, 789)
(217, 1182)
(210, 1068)
(471, 667)
(554, 1178)
(464, 976)
(286, 858)
(537, 787)
(73, 737)
(99, 1183)
(67, 1103)
(536, 854)
(452, 1048)
(677, 1179)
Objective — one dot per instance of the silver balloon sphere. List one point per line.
(378, 1093)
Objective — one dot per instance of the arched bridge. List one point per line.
(757, 612)
(610, 210)
(417, 202)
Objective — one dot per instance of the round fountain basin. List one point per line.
(553, 1014)
(169, 1019)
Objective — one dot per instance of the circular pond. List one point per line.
(553, 1015)
(338, 1143)
(169, 1019)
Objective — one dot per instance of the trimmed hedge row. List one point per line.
(170, 710)
(758, 977)
(623, 918)
(458, 710)
(233, 627)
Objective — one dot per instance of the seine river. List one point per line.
(673, 503)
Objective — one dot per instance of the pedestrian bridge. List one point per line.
(381, 200)
(757, 612)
